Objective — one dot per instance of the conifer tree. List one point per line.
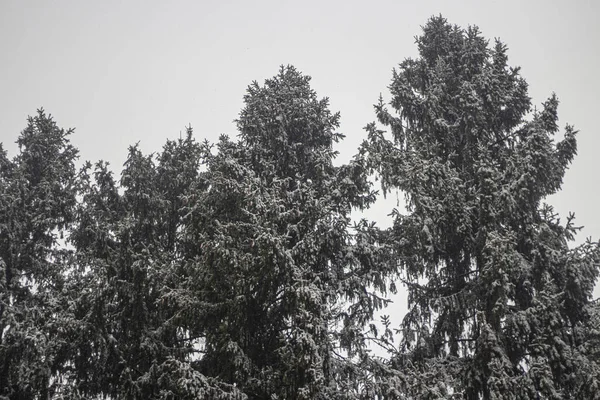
(37, 207)
(290, 288)
(497, 299)
(129, 303)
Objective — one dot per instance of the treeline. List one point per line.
(233, 270)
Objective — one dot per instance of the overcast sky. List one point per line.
(120, 72)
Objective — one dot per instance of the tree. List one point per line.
(290, 287)
(497, 300)
(134, 337)
(37, 207)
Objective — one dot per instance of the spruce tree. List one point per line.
(135, 333)
(290, 287)
(37, 206)
(498, 302)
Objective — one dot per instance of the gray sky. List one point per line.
(126, 71)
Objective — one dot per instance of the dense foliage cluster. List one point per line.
(234, 271)
(498, 302)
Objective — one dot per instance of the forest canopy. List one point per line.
(233, 270)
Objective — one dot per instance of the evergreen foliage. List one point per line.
(497, 300)
(289, 284)
(233, 271)
(37, 200)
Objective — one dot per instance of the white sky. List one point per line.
(121, 72)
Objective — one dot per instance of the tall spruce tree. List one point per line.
(134, 331)
(290, 288)
(117, 244)
(37, 207)
(498, 302)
